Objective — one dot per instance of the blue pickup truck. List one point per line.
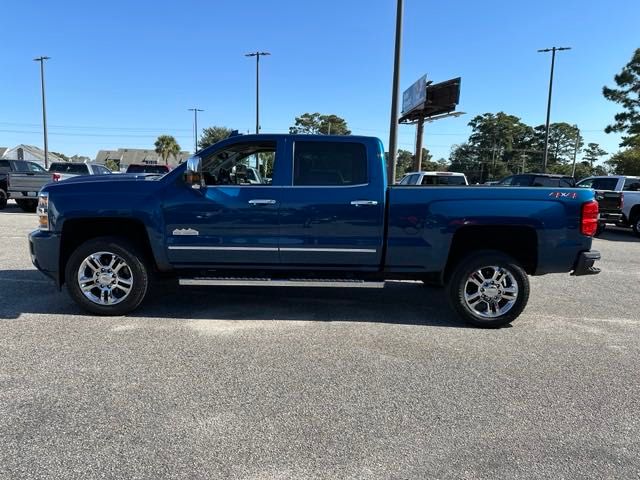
(325, 217)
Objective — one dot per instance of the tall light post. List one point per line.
(553, 51)
(257, 55)
(395, 94)
(195, 127)
(44, 110)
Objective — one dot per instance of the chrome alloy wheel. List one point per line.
(105, 278)
(490, 291)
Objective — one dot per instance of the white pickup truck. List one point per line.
(630, 188)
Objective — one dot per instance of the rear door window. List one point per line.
(631, 185)
(604, 183)
(329, 164)
(521, 181)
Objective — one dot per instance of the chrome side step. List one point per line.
(269, 282)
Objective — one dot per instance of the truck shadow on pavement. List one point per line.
(402, 303)
(618, 235)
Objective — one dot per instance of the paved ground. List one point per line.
(304, 383)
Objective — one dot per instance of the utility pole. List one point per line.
(44, 110)
(395, 94)
(418, 157)
(524, 162)
(553, 51)
(257, 55)
(195, 127)
(575, 151)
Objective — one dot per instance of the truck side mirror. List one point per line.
(193, 174)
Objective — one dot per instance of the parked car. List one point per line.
(64, 170)
(21, 180)
(537, 180)
(144, 168)
(449, 179)
(24, 187)
(328, 219)
(629, 187)
(9, 166)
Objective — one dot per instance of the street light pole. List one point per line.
(575, 151)
(395, 93)
(257, 55)
(195, 111)
(553, 51)
(44, 110)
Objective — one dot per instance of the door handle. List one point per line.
(358, 203)
(262, 201)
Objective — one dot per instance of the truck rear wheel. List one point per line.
(488, 289)
(3, 199)
(27, 205)
(635, 225)
(107, 276)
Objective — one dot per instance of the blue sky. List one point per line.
(123, 72)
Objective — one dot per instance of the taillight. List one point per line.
(589, 222)
(55, 177)
(621, 200)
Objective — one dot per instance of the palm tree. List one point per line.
(166, 145)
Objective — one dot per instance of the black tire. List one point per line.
(635, 225)
(27, 205)
(138, 275)
(458, 286)
(601, 228)
(3, 199)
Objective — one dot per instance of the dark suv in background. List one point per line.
(538, 180)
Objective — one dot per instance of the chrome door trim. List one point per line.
(205, 247)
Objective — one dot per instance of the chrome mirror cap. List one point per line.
(193, 174)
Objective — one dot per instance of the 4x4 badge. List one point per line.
(185, 231)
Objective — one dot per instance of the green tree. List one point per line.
(626, 162)
(112, 165)
(562, 143)
(406, 161)
(318, 124)
(592, 153)
(498, 141)
(465, 159)
(166, 146)
(627, 94)
(212, 135)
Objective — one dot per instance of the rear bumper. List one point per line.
(44, 248)
(24, 195)
(610, 217)
(584, 263)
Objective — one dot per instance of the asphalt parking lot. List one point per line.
(319, 383)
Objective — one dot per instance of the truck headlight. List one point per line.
(43, 211)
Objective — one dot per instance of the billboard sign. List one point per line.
(415, 95)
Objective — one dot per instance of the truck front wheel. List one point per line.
(27, 205)
(107, 276)
(488, 289)
(3, 199)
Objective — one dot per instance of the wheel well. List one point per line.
(519, 242)
(634, 213)
(76, 232)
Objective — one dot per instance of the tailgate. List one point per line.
(608, 201)
(28, 182)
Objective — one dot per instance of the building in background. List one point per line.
(30, 153)
(124, 157)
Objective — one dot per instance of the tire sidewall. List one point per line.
(129, 253)
(472, 263)
(636, 226)
(3, 199)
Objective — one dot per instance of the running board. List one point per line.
(269, 282)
